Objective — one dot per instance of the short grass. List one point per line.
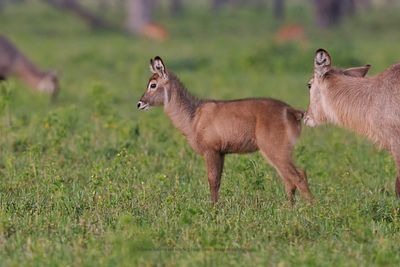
(90, 181)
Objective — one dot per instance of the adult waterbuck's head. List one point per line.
(319, 111)
(158, 87)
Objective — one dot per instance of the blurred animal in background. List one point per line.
(215, 128)
(291, 33)
(14, 63)
(154, 31)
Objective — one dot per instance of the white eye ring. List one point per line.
(153, 86)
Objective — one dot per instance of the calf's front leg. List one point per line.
(215, 164)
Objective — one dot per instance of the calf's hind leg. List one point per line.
(292, 177)
(290, 190)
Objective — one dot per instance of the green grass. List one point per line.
(90, 181)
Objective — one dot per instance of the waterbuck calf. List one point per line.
(368, 105)
(216, 128)
(13, 62)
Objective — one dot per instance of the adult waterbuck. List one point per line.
(369, 106)
(216, 128)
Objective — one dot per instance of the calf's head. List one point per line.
(318, 112)
(158, 87)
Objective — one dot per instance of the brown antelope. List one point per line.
(215, 128)
(13, 62)
(368, 105)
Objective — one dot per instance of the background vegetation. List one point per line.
(90, 181)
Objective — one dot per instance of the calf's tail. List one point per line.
(294, 117)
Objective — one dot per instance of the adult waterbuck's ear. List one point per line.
(322, 62)
(157, 66)
(358, 71)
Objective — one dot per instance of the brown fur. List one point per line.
(366, 105)
(216, 128)
(13, 62)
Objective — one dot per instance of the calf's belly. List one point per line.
(239, 145)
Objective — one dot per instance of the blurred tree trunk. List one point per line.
(102, 5)
(330, 12)
(139, 14)
(279, 9)
(176, 8)
(348, 7)
(327, 12)
(140, 20)
(73, 6)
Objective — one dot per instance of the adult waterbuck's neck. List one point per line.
(350, 102)
(164, 88)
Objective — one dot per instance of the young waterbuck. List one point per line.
(216, 128)
(368, 105)
(13, 62)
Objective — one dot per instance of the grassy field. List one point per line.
(90, 181)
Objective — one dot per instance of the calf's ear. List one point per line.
(322, 62)
(157, 66)
(152, 69)
(357, 71)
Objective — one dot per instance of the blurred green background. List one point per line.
(90, 181)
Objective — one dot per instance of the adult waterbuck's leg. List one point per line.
(396, 155)
(215, 165)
